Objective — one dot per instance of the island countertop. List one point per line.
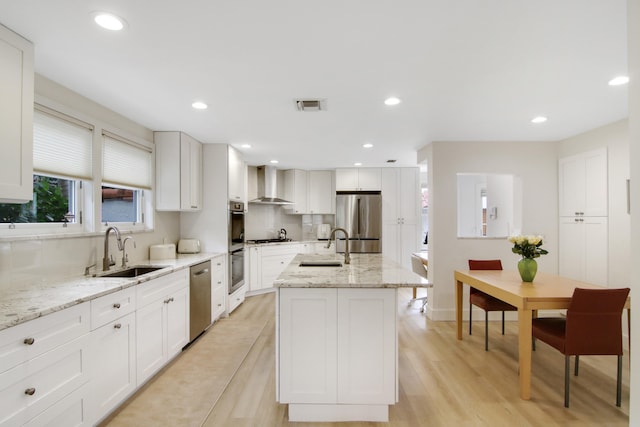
(364, 271)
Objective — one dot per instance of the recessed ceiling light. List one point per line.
(539, 119)
(620, 80)
(274, 161)
(246, 145)
(198, 105)
(367, 145)
(357, 164)
(108, 21)
(392, 101)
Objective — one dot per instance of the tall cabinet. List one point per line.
(400, 213)
(16, 117)
(178, 172)
(583, 224)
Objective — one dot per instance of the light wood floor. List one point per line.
(227, 378)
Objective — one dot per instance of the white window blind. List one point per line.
(126, 163)
(61, 145)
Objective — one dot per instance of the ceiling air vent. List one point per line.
(311, 104)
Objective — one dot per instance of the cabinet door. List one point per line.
(219, 287)
(369, 179)
(596, 183)
(596, 259)
(16, 117)
(583, 184)
(177, 321)
(254, 270)
(571, 174)
(70, 411)
(571, 247)
(237, 172)
(366, 346)
(150, 340)
(113, 364)
(190, 173)
(346, 179)
(321, 197)
(308, 354)
(295, 190)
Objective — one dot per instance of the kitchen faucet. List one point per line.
(106, 261)
(125, 258)
(347, 259)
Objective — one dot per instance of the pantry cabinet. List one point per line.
(401, 220)
(178, 172)
(312, 192)
(16, 117)
(358, 179)
(162, 322)
(583, 184)
(584, 249)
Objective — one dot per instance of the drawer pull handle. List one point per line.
(117, 326)
(29, 341)
(116, 305)
(30, 391)
(167, 301)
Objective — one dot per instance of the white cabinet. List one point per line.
(43, 362)
(112, 354)
(178, 172)
(236, 298)
(311, 191)
(584, 249)
(218, 287)
(358, 179)
(583, 184)
(162, 321)
(237, 172)
(267, 262)
(401, 218)
(319, 247)
(16, 117)
(336, 348)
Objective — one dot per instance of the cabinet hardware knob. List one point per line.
(29, 341)
(117, 326)
(166, 301)
(219, 305)
(30, 391)
(116, 305)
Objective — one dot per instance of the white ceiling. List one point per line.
(464, 69)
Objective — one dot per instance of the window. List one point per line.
(61, 161)
(127, 176)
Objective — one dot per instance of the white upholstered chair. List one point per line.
(419, 268)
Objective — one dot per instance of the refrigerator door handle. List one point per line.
(358, 217)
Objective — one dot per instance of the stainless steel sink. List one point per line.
(134, 271)
(320, 264)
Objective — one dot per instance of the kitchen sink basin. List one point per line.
(320, 264)
(134, 271)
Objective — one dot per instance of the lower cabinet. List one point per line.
(337, 346)
(162, 324)
(267, 262)
(236, 298)
(218, 287)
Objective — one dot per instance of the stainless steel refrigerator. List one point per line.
(361, 215)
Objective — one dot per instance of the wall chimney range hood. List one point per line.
(267, 187)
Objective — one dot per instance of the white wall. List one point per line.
(39, 259)
(633, 25)
(539, 208)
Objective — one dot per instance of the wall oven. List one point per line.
(236, 245)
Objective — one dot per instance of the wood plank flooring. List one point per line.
(227, 378)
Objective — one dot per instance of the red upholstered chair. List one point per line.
(593, 326)
(485, 301)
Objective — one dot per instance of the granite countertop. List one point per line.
(19, 304)
(364, 271)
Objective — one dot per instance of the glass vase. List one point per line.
(527, 268)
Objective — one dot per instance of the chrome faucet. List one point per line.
(347, 258)
(125, 258)
(108, 261)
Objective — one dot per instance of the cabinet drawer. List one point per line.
(70, 411)
(110, 307)
(33, 386)
(155, 289)
(281, 250)
(31, 339)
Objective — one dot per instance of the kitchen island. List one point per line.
(336, 337)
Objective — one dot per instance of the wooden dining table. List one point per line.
(546, 292)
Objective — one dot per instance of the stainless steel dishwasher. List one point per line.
(199, 299)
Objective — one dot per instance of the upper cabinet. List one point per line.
(16, 118)
(311, 191)
(583, 184)
(358, 179)
(178, 172)
(237, 173)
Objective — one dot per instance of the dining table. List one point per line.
(546, 292)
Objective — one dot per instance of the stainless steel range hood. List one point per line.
(268, 186)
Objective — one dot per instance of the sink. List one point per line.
(134, 271)
(320, 264)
